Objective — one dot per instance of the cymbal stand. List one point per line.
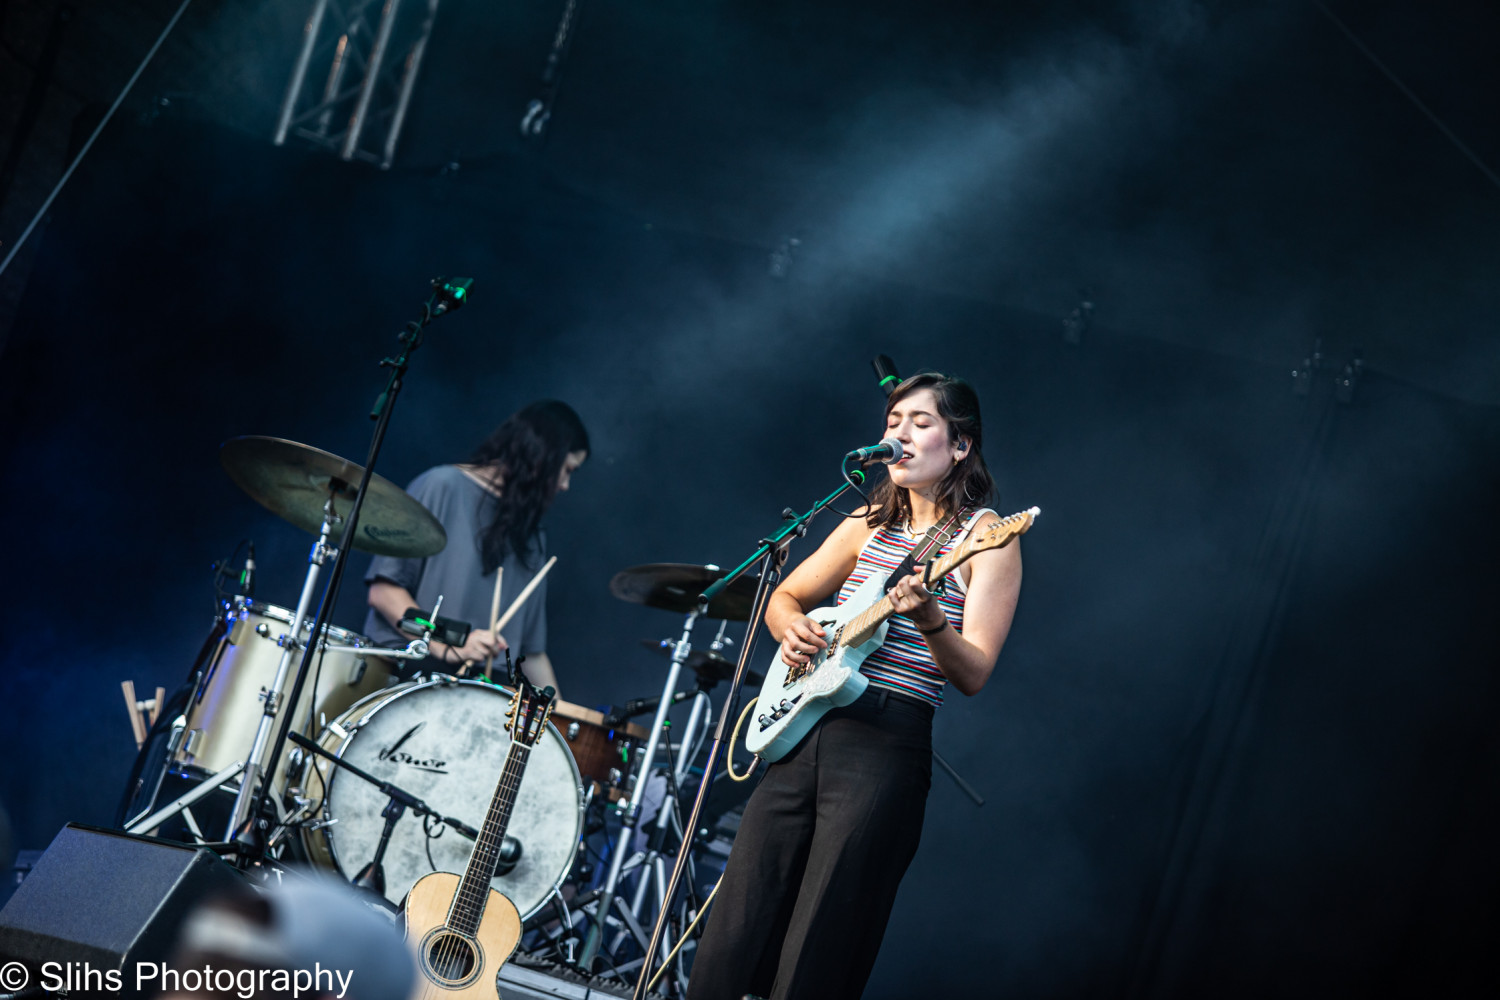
(668, 819)
(271, 699)
(650, 864)
(632, 812)
(771, 554)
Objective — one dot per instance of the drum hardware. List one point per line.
(708, 664)
(648, 862)
(631, 811)
(668, 586)
(148, 824)
(250, 784)
(667, 823)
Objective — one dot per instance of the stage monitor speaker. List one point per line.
(103, 900)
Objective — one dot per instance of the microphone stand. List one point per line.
(248, 827)
(771, 555)
(372, 875)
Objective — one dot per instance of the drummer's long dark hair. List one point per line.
(968, 485)
(529, 449)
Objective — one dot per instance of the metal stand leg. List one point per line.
(633, 811)
(156, 819)
(668, 819)
(255, 762)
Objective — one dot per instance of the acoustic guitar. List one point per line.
(462, 928)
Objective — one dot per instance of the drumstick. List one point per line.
(137, 726)
(521, 597)
(494, 614)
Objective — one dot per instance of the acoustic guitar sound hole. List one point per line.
(451, 958)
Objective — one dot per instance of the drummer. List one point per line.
(491, 508)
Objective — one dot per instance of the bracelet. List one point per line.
(931, 631)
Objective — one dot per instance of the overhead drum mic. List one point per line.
(885, 370)
(887, 451)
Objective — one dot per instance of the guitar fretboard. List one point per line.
(859, 628)
(474, 887)
(870, 618)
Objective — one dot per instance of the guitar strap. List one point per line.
(937, 536)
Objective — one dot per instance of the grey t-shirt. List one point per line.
(463, 507)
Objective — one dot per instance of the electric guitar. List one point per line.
(462, 928)
(794, 698)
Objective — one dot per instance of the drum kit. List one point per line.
(434, 741)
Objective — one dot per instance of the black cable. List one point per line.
(849, 478)
(317, 678)
(430, 837)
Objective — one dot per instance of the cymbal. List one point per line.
(676, 586)
(707, 664)
(293, 481)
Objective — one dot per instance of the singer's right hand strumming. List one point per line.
(801, 641)
(811, 584)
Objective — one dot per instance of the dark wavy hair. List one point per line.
(529, 449)
(968, 484)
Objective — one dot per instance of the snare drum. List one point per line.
(228, 702)
(444, 741)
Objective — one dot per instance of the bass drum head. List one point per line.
(445, 742)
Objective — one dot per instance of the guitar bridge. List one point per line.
(766, 721)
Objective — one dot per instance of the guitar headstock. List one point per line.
(1002, 532)
(529, 711)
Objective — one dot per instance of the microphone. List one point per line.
(247, 577)
(450, 293)
(885, 370)
(508, 856)
(640, 706)
(888, 450)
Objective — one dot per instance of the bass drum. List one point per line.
(445, 742)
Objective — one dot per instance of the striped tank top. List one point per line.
(903, 663)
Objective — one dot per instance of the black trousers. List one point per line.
(825, 840)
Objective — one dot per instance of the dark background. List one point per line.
(1241, 739)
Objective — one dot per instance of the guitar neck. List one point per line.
(474, 887)
(869, 619)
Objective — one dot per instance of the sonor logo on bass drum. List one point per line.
(395, 754)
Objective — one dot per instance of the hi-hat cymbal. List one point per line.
(707, 664)
(294, 481)
(676, 586)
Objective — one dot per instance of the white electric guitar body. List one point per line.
(794, 698)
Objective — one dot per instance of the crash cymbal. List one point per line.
(294, 480)
(707, 664)
(676, 586)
